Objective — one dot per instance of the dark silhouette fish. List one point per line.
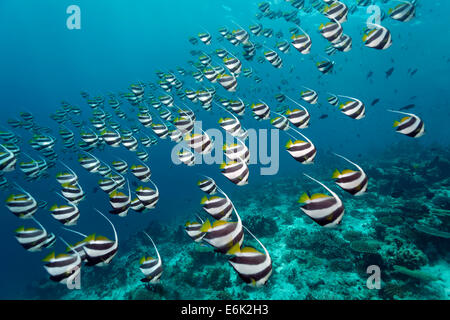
(374, 102)
(389, 72)
(413, 72)
(323, 116)
(409, 106)
(370, 74)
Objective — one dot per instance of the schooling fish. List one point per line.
(302, 151)
(252, 266)
(354, 182)
(207, 185)
(148, 196)
(63, 268)
(120, 202)
(309, 96)
(7, 160)
(101, 250)
(22, 205)
(220, 208)
(377, 37)
(407, 107)
(354, 108)
(193, 230)
(223, 235)
(33, 239)
(236, 171)
(411, 125)
(389, 72)
(325, 210)
(375, 101)
(151, 267)
(403, 12)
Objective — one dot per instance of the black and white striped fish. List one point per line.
(67, 214)
(333, 99)
(72, 192)
(280, 122)
(325, 210)
(149, 197)
(302, 151)
(193, 230)
(67, 177)
(236, 171)
(201, 143)
(377, 37)
(228, 82)
(411, 125)
(160, 130)
(63, 268)
(354, 182)
(120, 166)
(33, 239)
(273, 58)
(343, 44)
(142, 172)
(120, 202)
(261, 111)
(302, 43)
(403, 12)
(7, 160)
(252, 266)
(325, 66)
(90, 163)
(220, 208)
(230, 125)
(186, 157)
(22, 205)
(237, 106)
(309, 96)
(151, 267)
(354, 108)
(207, 185)
(331, 31)
(101, 250)
(233, 65)
(223, 235)
(336, 11)
(237, 151)
(111, 137)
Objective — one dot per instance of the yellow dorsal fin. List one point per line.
(205, 226)
(102, 238)
(319, 196)
(304, 198)
(347, 171)
(142, 260)
(49, 257)
(219, 223)
(249, 250)
(204, 199)
(234, 249)
(404, 119)
(89, 238)
(289, 144)
(336, 174)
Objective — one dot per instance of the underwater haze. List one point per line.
(234, 149)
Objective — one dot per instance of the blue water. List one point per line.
(120, 42)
